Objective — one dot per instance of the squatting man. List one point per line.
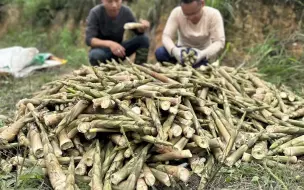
(105, 31)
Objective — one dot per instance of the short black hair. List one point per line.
(189, 1)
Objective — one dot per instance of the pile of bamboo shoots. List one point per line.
(127, 126)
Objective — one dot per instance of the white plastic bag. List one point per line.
(15, 59)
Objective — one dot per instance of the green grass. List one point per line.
(251, 176)
(63, 44)
(12, 90)
(277, 64)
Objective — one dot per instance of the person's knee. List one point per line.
(161, 54)
(143, 40)
(96, 56)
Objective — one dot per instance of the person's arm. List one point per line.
(93, 41)
(92, 32)
(217, 33)
(170, 31)
(145, 23)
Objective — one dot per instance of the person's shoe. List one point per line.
(141, 55)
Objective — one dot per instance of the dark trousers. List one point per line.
(162, 55)
(138, 44)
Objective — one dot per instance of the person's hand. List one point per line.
(117, 49)
(177, 52)
(145, 25)
(198, 54)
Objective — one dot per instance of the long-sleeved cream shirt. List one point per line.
(207, 35)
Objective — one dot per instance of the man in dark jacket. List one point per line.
(105, 30)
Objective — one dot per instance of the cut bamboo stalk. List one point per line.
(75, 111)
(284, 159)
(206, 173)
(180, 145)
(123, 173)
(64, 142)
(154, 114)
(194, 119)
(141, 184)
(175, 131)
(259, 151)
(233, 137)
(22, 139)
(236, 155)
(165, 105)
(280, 141)
(70, 180)
(187, 130)
(10, 133)
(197, 164)
(78, 145)
(96, 180)
(118, 139)
(294, 151)
(134, 175)
(5, 166)
(148, 176)
(177, 171)
(247, 157)
(172, 156)
(283, 129)
(35, 140)
(185, 114)
(220, 127)
(202, 142)
(57, 150)
(156, 75)
(162, 177)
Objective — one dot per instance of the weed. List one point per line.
(279, 66)
(254, 176)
